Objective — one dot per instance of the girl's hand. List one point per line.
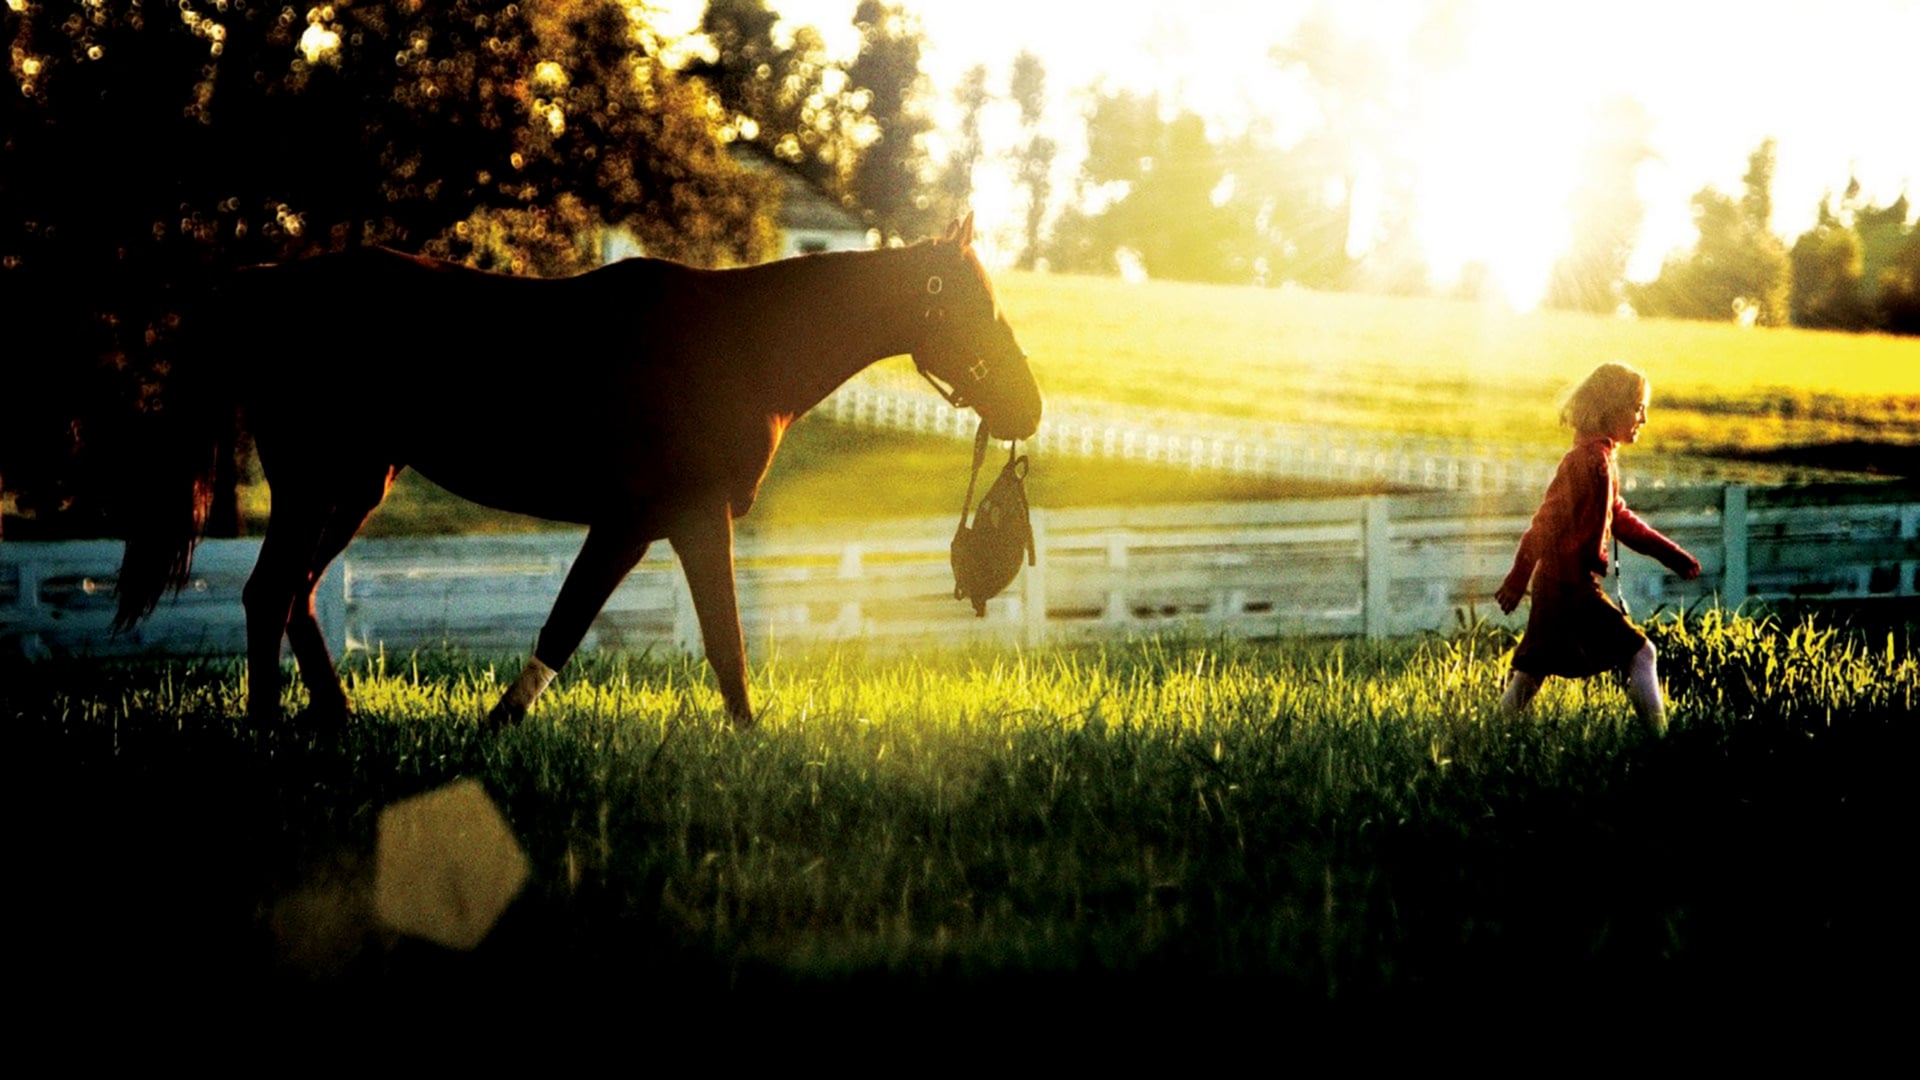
(1508, 596)
(1689, 569)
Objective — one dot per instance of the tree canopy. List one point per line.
(1737, 268)
(856, 128)
(1848, 271)
(148, 146)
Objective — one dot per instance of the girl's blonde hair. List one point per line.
(1609, 391)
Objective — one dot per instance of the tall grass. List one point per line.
(1331, 821)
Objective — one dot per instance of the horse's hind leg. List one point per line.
(309, 526)
(293, 536)
(327, 701)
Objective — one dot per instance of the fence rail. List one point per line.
(1381, 565)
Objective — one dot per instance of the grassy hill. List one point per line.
(1455, 369)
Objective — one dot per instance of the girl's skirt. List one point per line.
(1575, 631)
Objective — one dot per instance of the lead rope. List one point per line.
(979, 456)
(1619, 592)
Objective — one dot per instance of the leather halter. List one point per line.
(978, 370)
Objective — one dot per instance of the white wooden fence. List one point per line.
(1376, 566)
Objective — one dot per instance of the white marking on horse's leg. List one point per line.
(529, 686)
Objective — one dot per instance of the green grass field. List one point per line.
(1322, 824)
(1457, 369)
(834, 472)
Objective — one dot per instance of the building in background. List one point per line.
(810, 220)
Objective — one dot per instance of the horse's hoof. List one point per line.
(741, 721)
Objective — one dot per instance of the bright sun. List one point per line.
(1497, 144)
(1488, 129)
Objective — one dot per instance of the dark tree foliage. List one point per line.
(857, 130)
(1900, 288)
(1737, 266)
(1884, 231)
(777, 95)
(893, 183)
(1827, 271)
(150, 146)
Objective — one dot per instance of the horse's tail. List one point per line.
(164, 508)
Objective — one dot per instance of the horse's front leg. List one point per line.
(704, 543)
(611, 551)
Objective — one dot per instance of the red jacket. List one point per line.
(1570, 538)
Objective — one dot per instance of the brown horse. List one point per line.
(644, 400)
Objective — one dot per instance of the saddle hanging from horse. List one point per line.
(986, 555)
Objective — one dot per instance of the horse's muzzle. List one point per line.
(1010, 405)
(1013, 420)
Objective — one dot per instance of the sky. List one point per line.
(1492, 125)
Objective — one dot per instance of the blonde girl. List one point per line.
(1573, 630)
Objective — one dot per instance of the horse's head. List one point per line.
(967, 349)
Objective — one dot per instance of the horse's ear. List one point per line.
(961, 232)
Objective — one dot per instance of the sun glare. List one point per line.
(1475, 127)
(1487, 130)
(1496, 143)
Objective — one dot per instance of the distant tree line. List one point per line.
(1155, 188)
(1158, 191)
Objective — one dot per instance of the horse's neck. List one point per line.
(829, 317)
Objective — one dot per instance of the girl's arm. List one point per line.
(1647, 540)
(1546, 524)
(1568, 526)
(1515, 586)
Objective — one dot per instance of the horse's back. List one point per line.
(525, 393)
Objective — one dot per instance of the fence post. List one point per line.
(330, 607)
(852, 568)
(1909, 582)
(1034, 603)
(1116, 599)
(1733, 545)
(1376, 567)
(28, 607)
(686, 621)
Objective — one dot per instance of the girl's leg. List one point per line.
(1643, 689)
(1521, 687)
